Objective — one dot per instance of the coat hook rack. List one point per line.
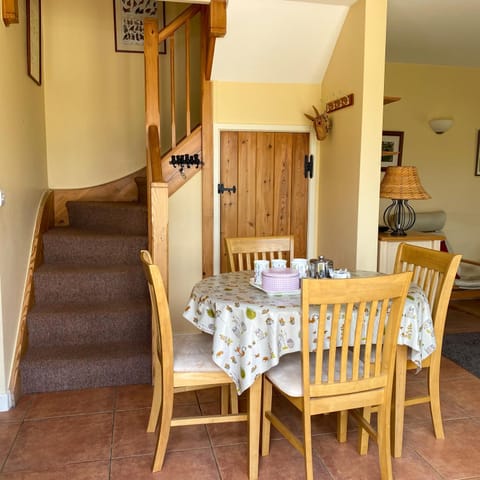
(339, 103)
(183, 161)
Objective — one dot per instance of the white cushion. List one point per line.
(193, 353)
(287, 375)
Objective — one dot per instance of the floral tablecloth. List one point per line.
(252, 330)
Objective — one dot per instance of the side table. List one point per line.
(388, 245)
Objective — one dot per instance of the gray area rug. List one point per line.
(463, 349)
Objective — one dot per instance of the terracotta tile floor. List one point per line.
(100, 434)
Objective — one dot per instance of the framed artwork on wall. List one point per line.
(392, 147)
(128, 19)
(477, 158)
(34, 39)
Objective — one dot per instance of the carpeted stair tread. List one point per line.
(83, 284)
(77, 246)
(46, 369)
(114, 217)
(59, 324)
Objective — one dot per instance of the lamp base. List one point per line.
(398, 233)
(399, 216)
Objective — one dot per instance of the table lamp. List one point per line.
(401, 184)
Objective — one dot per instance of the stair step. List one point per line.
(59, 324)
(48, 369)
(109, 217)
(76, 246)
(77, 284)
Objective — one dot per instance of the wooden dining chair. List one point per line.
(324, 377)
(242, 251)
(184, 363)
(434, 272)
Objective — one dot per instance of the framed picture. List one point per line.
(128, 18)
(477, 159)
(392, 147)
(34, 37)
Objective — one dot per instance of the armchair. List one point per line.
(467, 281)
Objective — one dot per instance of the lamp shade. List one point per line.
(402, 183)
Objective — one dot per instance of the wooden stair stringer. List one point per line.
(189, 145)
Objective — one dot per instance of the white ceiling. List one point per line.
(298, 36)
(278, 41)
(436, 32)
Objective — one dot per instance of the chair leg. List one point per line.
(307, 441)
(254, 406)
(156, 400)
(224, 399)
(163, 433)
(342, 426)
(233, 398)
(266, 425)
(434, 392)
(383, 442)
(363, 435)
(398, 413)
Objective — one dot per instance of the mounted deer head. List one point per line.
(320, 123)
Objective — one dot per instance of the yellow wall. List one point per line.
(94, 96)
(236, 104)
(23, 178)
(350, 165)
(445, 163)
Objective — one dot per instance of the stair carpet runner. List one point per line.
(90, 325)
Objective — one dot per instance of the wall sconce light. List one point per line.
(441, 125)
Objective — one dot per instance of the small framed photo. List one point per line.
(34, 40)
(477, 158)
(392, 146)
(128, 17)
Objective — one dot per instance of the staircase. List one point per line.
(90, 322)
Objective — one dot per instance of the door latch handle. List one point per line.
(308, 167)
(222, 189)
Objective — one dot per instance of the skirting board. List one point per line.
(6, 401)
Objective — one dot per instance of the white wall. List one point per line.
(23, 178)
(445, 163)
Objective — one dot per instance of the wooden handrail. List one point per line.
(178, 22)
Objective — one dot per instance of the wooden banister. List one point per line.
(162, 178)
(178, 22)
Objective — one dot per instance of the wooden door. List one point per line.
(271, 191)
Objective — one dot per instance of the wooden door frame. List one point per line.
(312, 222)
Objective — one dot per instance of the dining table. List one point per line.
(252, 329)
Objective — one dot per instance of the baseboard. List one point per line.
(6, 401)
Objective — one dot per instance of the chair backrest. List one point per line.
(434, 272)
(162, 336)
(338, 367)
(242, 251)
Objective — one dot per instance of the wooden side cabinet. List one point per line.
(388, 245)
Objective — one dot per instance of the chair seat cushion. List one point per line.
(193, 353)
(287, 375)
